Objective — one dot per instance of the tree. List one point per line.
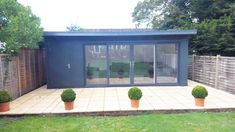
(161, 14)
(213, 37)
(74, 28)
(214, 20)
(19, 27)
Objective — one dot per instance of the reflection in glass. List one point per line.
(96, 64)
(143, 64)
(166, 63)
(119, 64)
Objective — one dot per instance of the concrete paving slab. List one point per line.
(115, 99)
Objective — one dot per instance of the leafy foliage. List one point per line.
(213, 37)
(19, 27)
(4, 97)
(68, 95)
(214, 20)
(135, 93)
(199, 92)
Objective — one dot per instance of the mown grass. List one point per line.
(185, 122)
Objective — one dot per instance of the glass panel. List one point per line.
(119, 62)
(166, 63)
(144, 64)
(96, 64)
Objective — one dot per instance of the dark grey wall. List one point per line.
(61, 51)
(183, 63)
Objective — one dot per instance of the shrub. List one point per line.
(68, 95)
(135, 93)
(199, 92)
(4, 97)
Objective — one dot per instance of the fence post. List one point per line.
(193, 61)
(1, 74)
(217, 72)
(18, 73)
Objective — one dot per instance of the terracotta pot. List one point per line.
(68, 105)
(135, 103)
(4, 106)
(199, 102)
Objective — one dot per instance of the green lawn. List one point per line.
(209, 122)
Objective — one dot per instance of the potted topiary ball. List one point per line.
(199, 93)
(135, 95)
(68, 96)
(5, 99)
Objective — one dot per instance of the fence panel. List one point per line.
(226, 74)
(32, 70)
(216, 71)
(25, 72)
(8, 75)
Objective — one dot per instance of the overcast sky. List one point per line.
(57, 14)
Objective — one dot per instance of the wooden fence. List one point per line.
(216, 71)
(23, 73)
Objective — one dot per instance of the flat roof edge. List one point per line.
(129, 33)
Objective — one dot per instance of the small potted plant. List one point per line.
(5, 99)
(151, 72)
(199, 93)
(68, 96)
(121, 73)
(135, 95)
(89, 74)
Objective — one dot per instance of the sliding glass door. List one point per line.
(166, 63)
(96, 64)
(119, 64)
(144, 63)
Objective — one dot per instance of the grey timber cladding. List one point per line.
(66, 56)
